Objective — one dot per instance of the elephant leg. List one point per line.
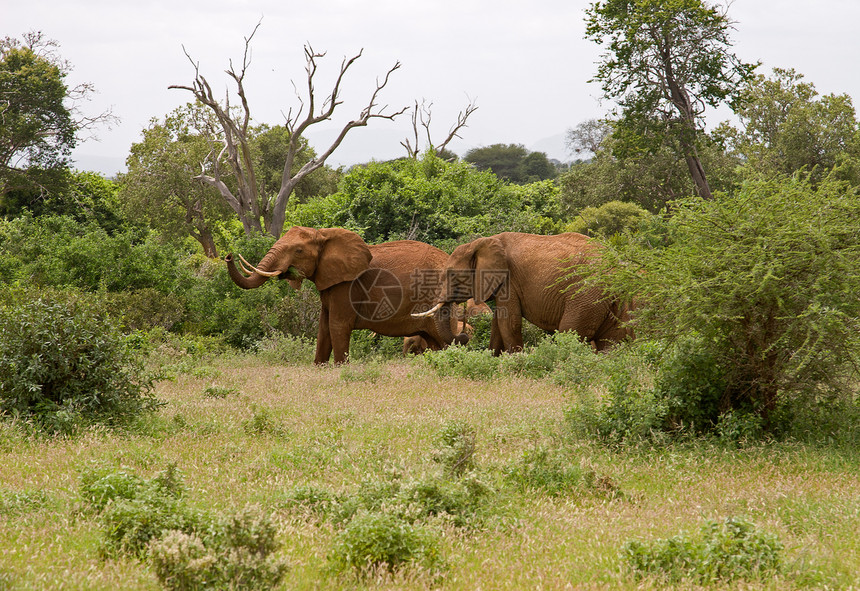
(324, 347)
(510, 322)
(341, 322)
(496, 344)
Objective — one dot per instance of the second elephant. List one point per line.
(533, 277)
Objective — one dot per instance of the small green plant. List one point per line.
(373, 540)
(554, 475)
(261, 423)
(14, 502)
(455, 448)
(723, 551)
(219, 392)
(457, 361)
(286, 349)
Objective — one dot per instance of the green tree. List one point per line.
(37, 132)
(38, 124)
(786, 126)
(512, 162)
(431, 200)
(651, 179)
(160, 189)
(666, 61)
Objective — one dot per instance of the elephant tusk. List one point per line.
(255, 269)
(429, 312)
(244, 269)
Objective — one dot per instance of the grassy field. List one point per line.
(241, 431)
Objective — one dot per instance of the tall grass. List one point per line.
(306, 444)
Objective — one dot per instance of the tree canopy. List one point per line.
(666, 61)
(37, 132)
(512, 162)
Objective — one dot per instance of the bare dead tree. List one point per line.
(422, 116)
(234, 122)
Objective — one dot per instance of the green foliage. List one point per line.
(563, 357)
(377, 540)
(429, 200)
(37, 130)
(512, 162)
(57, 251)
(786, 127)
(64, 364)
(613, 217)
(765, 276)
(723, 551)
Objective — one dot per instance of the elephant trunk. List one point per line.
(443, 318)
(250, 282)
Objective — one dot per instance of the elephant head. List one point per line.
(327, 256)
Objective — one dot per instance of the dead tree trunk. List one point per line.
(259, 212)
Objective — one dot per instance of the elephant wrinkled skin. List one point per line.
(375, 287)
(533, 277)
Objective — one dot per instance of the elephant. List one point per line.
(377, 287)
(417, 344)
(530, 276)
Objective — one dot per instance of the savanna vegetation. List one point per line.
(161, 428)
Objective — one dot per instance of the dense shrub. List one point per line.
(379, 540)
(723, 551)
(188, 550)
(64, 363)
(232, 552)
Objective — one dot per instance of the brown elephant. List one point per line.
(417, 344)
(530, 276)
(375, 287)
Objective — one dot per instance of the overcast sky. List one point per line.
(525, 64)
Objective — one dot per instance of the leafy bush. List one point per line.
(723, 551)
(378, 540)
(148, 519)
(613, 217)
(768, 277)
(63, 363)
(562, 356)
(231, 553)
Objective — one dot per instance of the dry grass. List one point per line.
(274, 427)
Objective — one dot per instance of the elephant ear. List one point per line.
(491, 268)
(343, 257)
